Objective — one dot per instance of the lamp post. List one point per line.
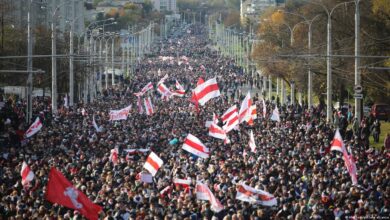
(328, 58)
(358, 102)
(54, 60)
(29, 65)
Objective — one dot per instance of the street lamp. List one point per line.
(54, 60)
(328, 58)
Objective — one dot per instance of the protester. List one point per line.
(292, 160)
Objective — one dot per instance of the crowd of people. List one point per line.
(293, 160)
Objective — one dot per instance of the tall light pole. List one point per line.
(29, 65)
(54, 60)
(358, 102)
(328, 58)
(310, 79)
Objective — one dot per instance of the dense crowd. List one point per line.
(293, 160)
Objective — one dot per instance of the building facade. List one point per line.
(165, 5)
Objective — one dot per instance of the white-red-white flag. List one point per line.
(148, 106)
(114, 156)
(217, 132)
(180, 91)
(153, 163)
(185, 183)
(275, 114)
(27, 174)
(228, 113)
(34, 128)
(351, 167)
(253, 111)
(146, 88)
(337, 144)
(252, 143)
(116, 115)
(264, 109)
(164, 91)
(207, 90)
(255, 196)
(193, 145)
(204, 193)
(245, 109)
(162, 80)
(215, 121)
(139, 105)
(232, 122)
(166, 191)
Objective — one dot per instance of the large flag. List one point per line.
(153, 163)
(255, 196)
(217, 132)
(116, 115)
(252, 144)
(34, 128)
(204, 193)
(27, 174)
(207, 90)
(148, 106)
(232, 122)
(59, 190)
(146, 88)
(193, 145)
(245, 109)
(275, 114)
(228, 113)
(337, 144)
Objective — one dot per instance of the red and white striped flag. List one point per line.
(215, 121)
(34, 128)
(228, 113)
(164, 91)
(146, 88)
(193, 145)
(204, 193)
(337, 143)
(217, 132)
(166, 191)
(116, 115)
(275, 114)
(185, 183)
(148, 106)
(153, 163)
(245, 110)
(207, 90)
(255, 196)
(180, 91)
(252, 144)
(114, 158)
(27, 174)
(253, 114)
(162, 80)
(232, 122)
(264, 109)
(139, 104)
(351, 167)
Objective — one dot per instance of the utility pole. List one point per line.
(29, 65)
(53, 67)
(329, 71)
(71, 73)
(112, 60)
(358, 102)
